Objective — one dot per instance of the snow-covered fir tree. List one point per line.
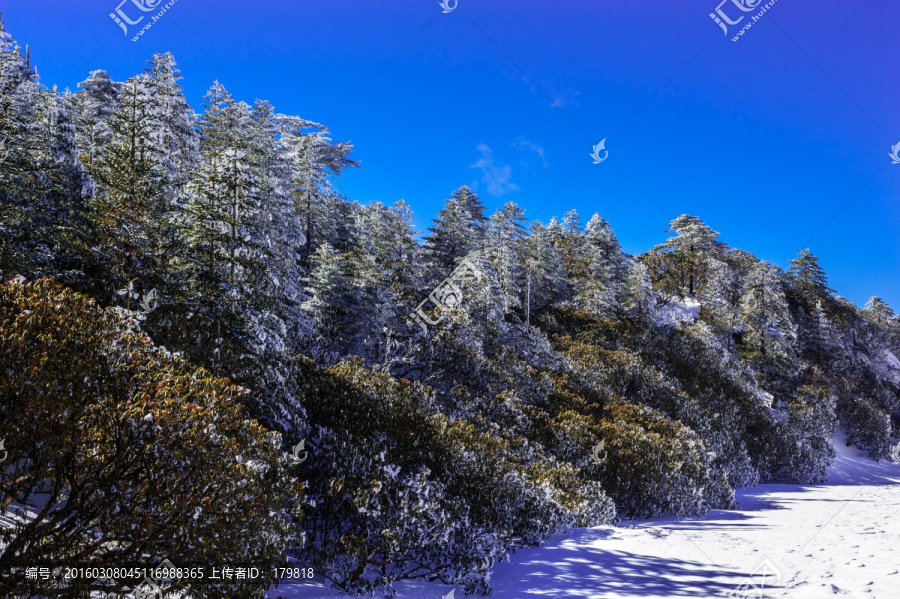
(769, 332)
(460, 228)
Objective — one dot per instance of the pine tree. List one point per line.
(808, 279)
(222, 206)
(879, 310)
(91, 108)
(330, 301)
(818, 336)
(373, 311)
(769, 333)
(639, 301)
(275, 287)
(571, 244)
(472, 204)
(175, 131)
(545, 272)
(686, 256)
(458, 230)
(131, 203)
(604, 269)
(242, 238)
(41, 209)
(399, 251)
(234, 306)
(506, 232)
(387, 275)
(721, 310)
(315, 163)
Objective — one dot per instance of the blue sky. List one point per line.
(768, 139)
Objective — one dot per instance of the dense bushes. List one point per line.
(122, 452)
(402, 491)
(655, 465)
(684, 372)
(652, 465)
(647, 369)
(866, 424)
(803, 441)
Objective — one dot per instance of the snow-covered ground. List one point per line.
(837, 539)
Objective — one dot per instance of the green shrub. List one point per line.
(652, 465)
(400, 491)
(126, 453)
(867, 425)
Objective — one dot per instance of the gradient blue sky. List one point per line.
(766, 139)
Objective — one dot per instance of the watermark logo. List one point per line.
(3, 449)
(447, 295)
(142, 5)
(148, 590)
(445, 4)
(895, 150)
(723, 20)
(596, 153)
(4, 153)
(595, 453)
(754, 585)
(295, 455)
(149, 302)
(123, 20)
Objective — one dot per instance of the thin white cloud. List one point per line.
(497, 177)
(524, 144)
